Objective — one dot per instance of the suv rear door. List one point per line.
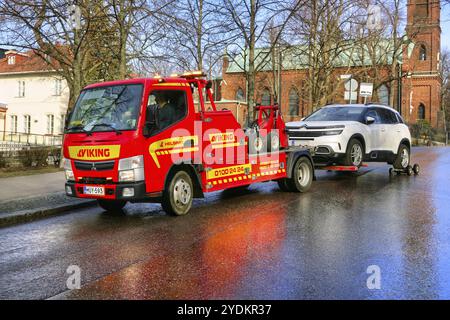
(392, 133)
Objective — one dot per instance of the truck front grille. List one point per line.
(94, 166)
(94, 180)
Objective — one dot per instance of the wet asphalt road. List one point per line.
(257, 244)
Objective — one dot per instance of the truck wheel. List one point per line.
(115, 206)
(355, 153)
(282, 183)
(273, 142)
(302, 176)
(177, 198)
(403, 157)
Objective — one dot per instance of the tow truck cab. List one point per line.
(146, 140)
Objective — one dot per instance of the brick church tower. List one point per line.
(422, 86)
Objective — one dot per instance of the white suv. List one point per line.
(353, 133)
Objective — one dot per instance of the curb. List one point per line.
(18, 217)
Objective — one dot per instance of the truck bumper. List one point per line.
(124, 191)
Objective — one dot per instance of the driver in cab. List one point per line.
(165, 111)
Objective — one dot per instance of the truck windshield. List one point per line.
(337, 114)
(109, 108)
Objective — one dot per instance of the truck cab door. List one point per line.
(169, 133)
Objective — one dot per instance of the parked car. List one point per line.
(353, 133)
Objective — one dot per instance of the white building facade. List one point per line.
(35, 98)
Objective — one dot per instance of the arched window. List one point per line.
(383, 95)
(422, 53)
(421, 112)
(293, 102)
(240, 95)
(266, 98)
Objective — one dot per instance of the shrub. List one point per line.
(422, 130)
(34, 156)
(3, 159)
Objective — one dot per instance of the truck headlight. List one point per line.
(131, 169)
(67, 164)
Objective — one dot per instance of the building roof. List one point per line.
(25, 62)
(352, 55)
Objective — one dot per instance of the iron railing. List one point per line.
(29, 139)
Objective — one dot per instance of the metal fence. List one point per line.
(30, 139)
(29, 150)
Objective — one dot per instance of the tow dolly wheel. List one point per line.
(177, 197)
(416, 169)
(409, 171)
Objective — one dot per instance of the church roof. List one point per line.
(351, 54)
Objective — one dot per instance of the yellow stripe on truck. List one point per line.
(94, 152)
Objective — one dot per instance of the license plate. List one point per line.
(94, 191)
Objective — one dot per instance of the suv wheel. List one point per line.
(355, 153)
(403, 157)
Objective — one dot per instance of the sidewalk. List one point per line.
(27, 198)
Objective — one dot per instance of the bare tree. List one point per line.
(251, 21)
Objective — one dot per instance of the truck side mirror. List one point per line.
(370, 120)
(66, 120)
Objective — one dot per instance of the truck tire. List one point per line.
(114, 206)
(355, 153)
(273, 142)
(177, 197)
(301, 176)
(403, 157)
(256, 144)
(282, 183)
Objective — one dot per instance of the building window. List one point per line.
(62, 123)
(13, 124)
(293, 102)
(423, 53)
(27, 124)
(58, 87)
(266, 98)
(21, 89)
(50, 124)
(240, 95)
(422, 9)
(383, 95)
(11, 59)
(421, 112)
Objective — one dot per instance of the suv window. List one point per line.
(399, 118)
(374, 114)
(168, 106)
(387, 116)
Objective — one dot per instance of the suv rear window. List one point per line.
(387, 116)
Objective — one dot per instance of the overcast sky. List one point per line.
(445, 25)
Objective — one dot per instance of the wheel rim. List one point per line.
(275, 143)
(182, 193)
(356, 154)
(303, 174)
(405, 158)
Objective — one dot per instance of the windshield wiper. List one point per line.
(105, 125)
(79, 127)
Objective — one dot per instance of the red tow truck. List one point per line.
(147, 140)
